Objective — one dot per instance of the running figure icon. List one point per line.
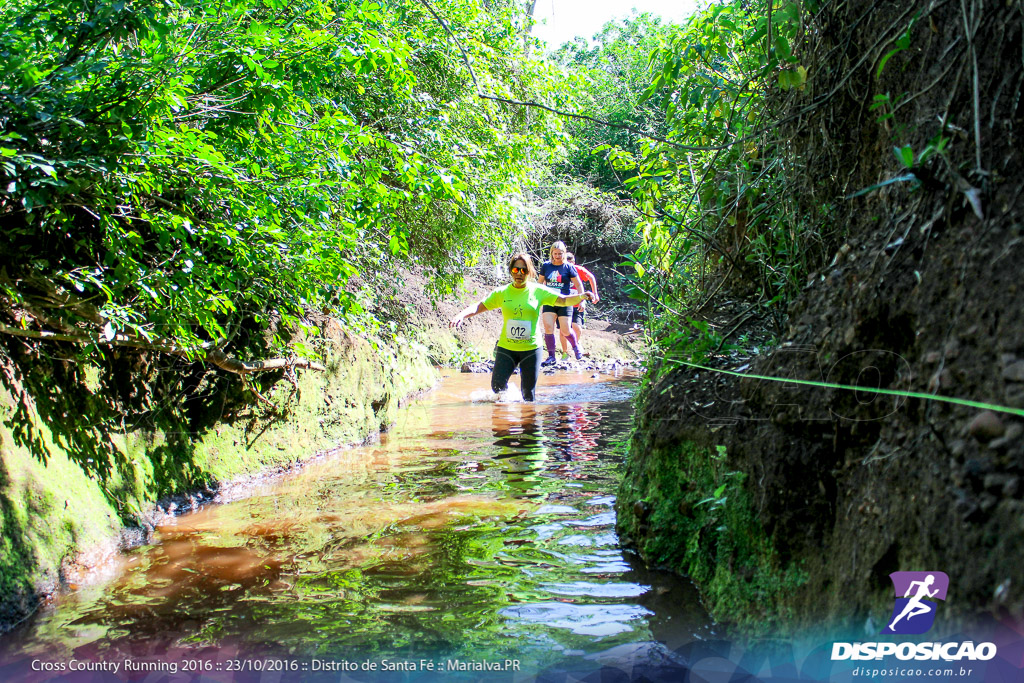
(915, 606)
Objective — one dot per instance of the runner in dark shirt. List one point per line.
(561, 277)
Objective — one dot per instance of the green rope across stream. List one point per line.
(889, 392)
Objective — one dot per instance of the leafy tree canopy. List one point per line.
(171, 171)
(713, 191)
(609, 76)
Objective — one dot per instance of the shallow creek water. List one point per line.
(474, 531)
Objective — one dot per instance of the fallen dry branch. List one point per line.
(242, 367)
(52, 306)
(213, 355)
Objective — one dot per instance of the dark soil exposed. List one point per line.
(921, 291)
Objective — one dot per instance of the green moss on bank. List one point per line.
(357, 396)
(683, 508)
(68, 485)
(48, 511)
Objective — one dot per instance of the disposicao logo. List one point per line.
(914, 611)
(912, 614)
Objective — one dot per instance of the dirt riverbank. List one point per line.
(829, 491)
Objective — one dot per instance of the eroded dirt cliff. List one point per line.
(921, 292)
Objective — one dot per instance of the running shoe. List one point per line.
(579, 355)
(565, 355)
(550, 361)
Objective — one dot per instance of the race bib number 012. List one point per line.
(519, 330)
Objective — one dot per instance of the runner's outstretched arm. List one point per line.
(467, 312)
(593, 286)
(573, 300)
(587, 276)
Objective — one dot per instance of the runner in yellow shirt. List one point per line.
(521, 338)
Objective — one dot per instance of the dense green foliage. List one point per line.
(715, 192)
(174, 172)
(609, 76)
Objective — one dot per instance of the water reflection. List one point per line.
(471, 530)
(554, 438)
(517, 431)
(586, 620)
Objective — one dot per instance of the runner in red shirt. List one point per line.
(579, 312)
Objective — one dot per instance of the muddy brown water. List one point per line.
(475, 530)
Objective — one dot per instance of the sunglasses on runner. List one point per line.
(517, 270)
